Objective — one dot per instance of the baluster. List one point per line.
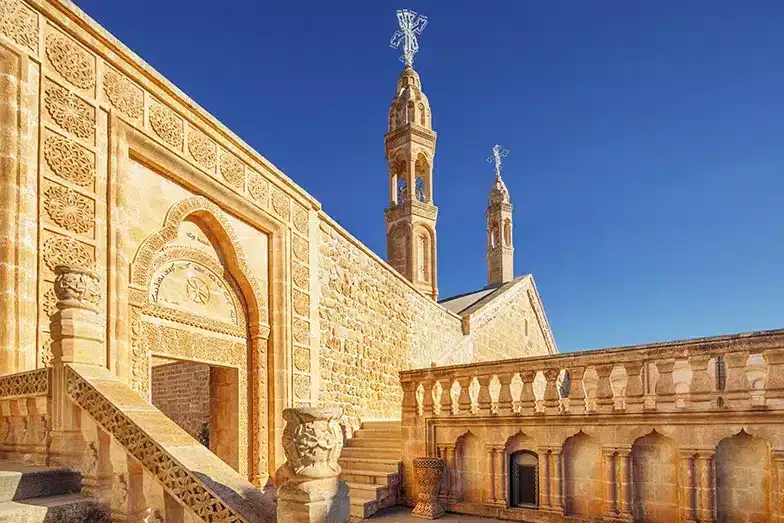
(505, 400)
(665, 386)
(701, 389)
(576, 400)
(427, 399)
(464, 399)
(774, 381)
(527, 399)
(604, 391)
(484, 400)
(446, 399)
(737, 388)
(634, 390)
(409, 399)
(551, 397)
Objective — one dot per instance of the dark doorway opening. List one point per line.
(524, 479)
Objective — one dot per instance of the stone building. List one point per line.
(153, 347)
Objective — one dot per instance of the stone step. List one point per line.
(389, 444)
(380, 465)
(20, 481)
(364, 508)
(368, 491)
(370, 452)
(71, 508)
(382, 425)
(370, 477)
(378, 434)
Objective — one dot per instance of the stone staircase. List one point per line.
(35, 494)
(371, 463)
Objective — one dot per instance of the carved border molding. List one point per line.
(31, 383)
(176, 479)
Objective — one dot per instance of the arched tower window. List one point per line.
(524, 479)
(508, 232)
(410, 111)
(422, 172)
(402, 190)
(419, 189)
(423, 257)
(495, 235)
(401, 115)
(422, 114)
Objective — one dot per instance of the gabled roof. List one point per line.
(464, 304)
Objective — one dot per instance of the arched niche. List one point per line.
(156, 326)
(582, 458)
(655, 479)
(423, 171)
(743, 479)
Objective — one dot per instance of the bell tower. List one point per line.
(500, 250)
(410, 146)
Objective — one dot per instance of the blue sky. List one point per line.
(646, 138)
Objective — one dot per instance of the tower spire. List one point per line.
(500, 251)
(410, 146)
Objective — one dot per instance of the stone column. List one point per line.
(312, 441)
(705, 472)
(446, 399)
(624, 484)
(76, 338)
(576, 390)
(544, 478)
(634, 389)
(453, 492)
(774, 382)
(429, 472)
(491, 473)
(778, 491)
(604, 391)
(665, 387)
(608, 472)
(556, 485)
(501, 481)
(428, 408)
(688, 486)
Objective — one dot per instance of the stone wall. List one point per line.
(512, 327)
(373, 325)
(182, 391)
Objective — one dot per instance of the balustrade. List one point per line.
(488, 389)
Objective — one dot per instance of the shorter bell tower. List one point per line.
(500, 249)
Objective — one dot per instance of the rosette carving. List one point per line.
(19, 23)
(258, 188)
(202, 149)
(77, 288)
(123, 94)
(68, 59)
(70, 112)
(69, 209)
(312, 441)
(166, 124)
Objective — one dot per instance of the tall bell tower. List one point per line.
(500, 249)
(410, 146)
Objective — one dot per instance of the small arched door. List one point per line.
(524, 479)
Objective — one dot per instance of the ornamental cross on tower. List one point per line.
(498, 153)
(411, 24)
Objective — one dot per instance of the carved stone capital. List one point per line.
(77, 288)
(312, 441)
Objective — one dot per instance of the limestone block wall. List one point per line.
(372, 325)
(181, 390)
(513, 326)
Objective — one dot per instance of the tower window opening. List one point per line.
(420, 190)
(508, 233)
(402, 190)
(422, 114)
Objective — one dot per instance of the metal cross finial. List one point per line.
(498, 153)
(411, 24)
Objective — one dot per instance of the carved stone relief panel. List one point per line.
(300, 218)
(70, 112)
(69, 209)
(70, 60)
(19, 23)
(123, 94)
(69, 160)
(201, 149)
(232, 170)
(258, 188)
(166, 124)
(280, 204)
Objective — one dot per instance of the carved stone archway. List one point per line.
(160, 248)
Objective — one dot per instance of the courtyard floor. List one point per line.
(403, 515)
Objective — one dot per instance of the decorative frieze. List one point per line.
(69, 160)
(202, 149)
(232, 170)
(258, 188)
(166, 124)
(123, 94)
(299, 247)
(280, 204)
(60, 250)
(300, 218)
